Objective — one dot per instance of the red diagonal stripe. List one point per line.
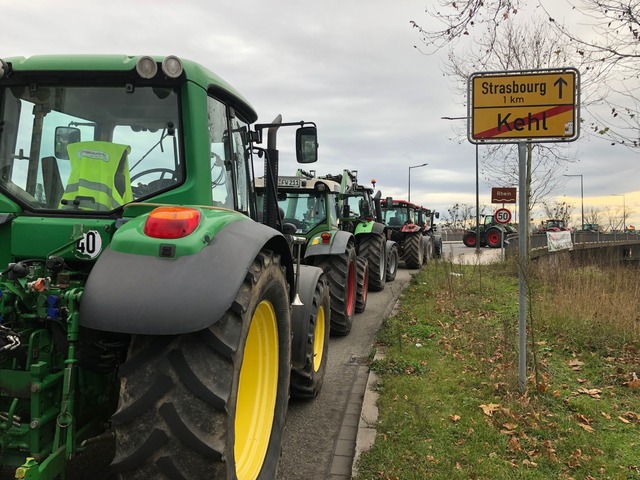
(493, 132)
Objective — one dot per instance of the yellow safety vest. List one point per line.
(99, 178)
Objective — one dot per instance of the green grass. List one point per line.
(450, 405)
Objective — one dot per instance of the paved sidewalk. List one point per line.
(358, 431)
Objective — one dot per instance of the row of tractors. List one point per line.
(355, 236)
(158, 304)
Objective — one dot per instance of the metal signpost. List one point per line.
(502, 216)
(522, 107)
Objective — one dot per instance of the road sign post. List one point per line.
(522, 107)
(502, 216)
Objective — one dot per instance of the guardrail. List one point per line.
(539, 240)
(587, 247)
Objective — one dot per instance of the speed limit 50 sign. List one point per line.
(502, 216)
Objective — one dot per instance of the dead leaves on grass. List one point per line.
(584, 422)
(575, 365)
(490, 408)
(592, 392)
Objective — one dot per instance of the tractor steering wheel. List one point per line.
(167, 177)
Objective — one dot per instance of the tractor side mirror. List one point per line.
(307, 145)
(63, 137)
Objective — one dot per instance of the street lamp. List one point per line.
(409, 192)
(624, 210)
(581, 197)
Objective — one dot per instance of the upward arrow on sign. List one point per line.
(560, 82)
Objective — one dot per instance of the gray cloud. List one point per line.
(350, 66)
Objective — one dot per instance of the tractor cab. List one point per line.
(306, 204)
(400, 214)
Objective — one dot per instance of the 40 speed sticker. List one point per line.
(90, 245)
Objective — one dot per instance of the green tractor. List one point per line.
(307, 206)
(360, 214)
(144, 309)
(491, 233)
(403, 221)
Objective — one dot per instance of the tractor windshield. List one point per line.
(395, 216)
(398, 216)
(306, 210)
(87, 149)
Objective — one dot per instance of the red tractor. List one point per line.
(404, 228)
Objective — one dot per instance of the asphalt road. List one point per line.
(313, 426)
(458, 253)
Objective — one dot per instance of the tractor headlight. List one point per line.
(146, 67)
(172, 66)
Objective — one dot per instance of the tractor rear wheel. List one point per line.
(469, 239)
(307, 382)
(494, 238)
(426, 242)
(211, 404)
(362, 287)
(342, 276)
(413, 251)
(437, 247)
(373, 249)
(392, 263)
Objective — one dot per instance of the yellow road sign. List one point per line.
(524, 105)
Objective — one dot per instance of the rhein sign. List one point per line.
(503, 195)
(531, 105)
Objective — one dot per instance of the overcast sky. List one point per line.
(349, 66)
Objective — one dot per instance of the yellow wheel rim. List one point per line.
(318, 341)
(257, 392)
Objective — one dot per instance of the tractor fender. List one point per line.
(142, 294)
(300, 314)
(369, 227)
(339, 245)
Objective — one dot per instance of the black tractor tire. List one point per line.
(469, 239)
(362, 286)
(307, 381)
(413, 251)
(341, 271)
(494, 238)
(426, 242)
(373, 249)
(437, 247)
(392, 263)
(211, 404)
